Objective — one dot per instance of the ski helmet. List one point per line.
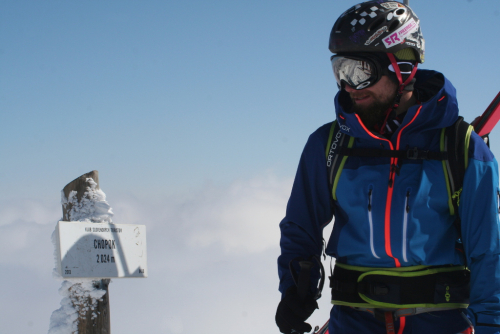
(379, 26)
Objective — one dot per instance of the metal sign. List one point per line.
(101, 250)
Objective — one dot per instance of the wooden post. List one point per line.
(87, 324)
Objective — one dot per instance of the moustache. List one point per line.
(356, 95)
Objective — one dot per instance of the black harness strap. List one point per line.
(428, 286)
(413, 154)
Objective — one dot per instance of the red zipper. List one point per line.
(392, 176)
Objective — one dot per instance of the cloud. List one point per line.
(243, 218)
(39, 211)
(27, 244)
(211, 260)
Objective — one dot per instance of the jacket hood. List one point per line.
(438, 108)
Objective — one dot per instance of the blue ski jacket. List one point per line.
(390, 218)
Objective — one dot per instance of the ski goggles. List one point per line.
(357, 72)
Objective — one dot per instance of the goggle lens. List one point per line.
(357, 73)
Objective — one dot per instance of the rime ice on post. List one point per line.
(85, 306)
(82, 200)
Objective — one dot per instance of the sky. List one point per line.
(195, 114)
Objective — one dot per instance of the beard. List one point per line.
(375, 112)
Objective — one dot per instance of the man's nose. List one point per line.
(348, 88)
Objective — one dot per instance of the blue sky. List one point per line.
(193, 112)
(171, 94)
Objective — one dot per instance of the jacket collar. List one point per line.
(436, 95)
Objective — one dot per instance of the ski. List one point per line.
(490, 117)
(483, 125)
(322, 330)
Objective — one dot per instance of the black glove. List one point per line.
(292, 312)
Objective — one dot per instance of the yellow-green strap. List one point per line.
(413, 273)
(446, 174)
(339, 171)
(368, 269)
(466, 146)
(330, 138)
(397, 306)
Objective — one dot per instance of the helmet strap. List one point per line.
(395, 65)
(391, 112)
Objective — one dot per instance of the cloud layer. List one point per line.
(211, 258)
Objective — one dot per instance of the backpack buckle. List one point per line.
(379, 289)
(373, 288)
(415, 153)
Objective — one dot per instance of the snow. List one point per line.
(92, 207)
(79, 295)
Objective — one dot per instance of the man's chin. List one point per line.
(362, 108)
(370, 114)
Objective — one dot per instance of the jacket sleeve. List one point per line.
(308, 211)
(481, 238)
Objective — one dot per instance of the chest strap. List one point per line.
(405, 287)
(413, 154)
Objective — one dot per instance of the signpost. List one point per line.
(101, 250)
(88, 245)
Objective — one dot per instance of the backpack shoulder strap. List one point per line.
(334, 160)
(455, 140)
(454, 144)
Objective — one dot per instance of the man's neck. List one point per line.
(407, 100)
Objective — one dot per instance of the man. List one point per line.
(403, 263)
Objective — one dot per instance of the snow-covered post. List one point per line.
(85, 306)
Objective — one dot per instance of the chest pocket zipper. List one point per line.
(405, 224)
(370, 221)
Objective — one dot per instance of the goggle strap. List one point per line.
(395, 65)
(412, 74)
(402, 86)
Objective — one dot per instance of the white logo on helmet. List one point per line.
(399, 35)
(389, 5)
(376, 35)
(364, 14)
